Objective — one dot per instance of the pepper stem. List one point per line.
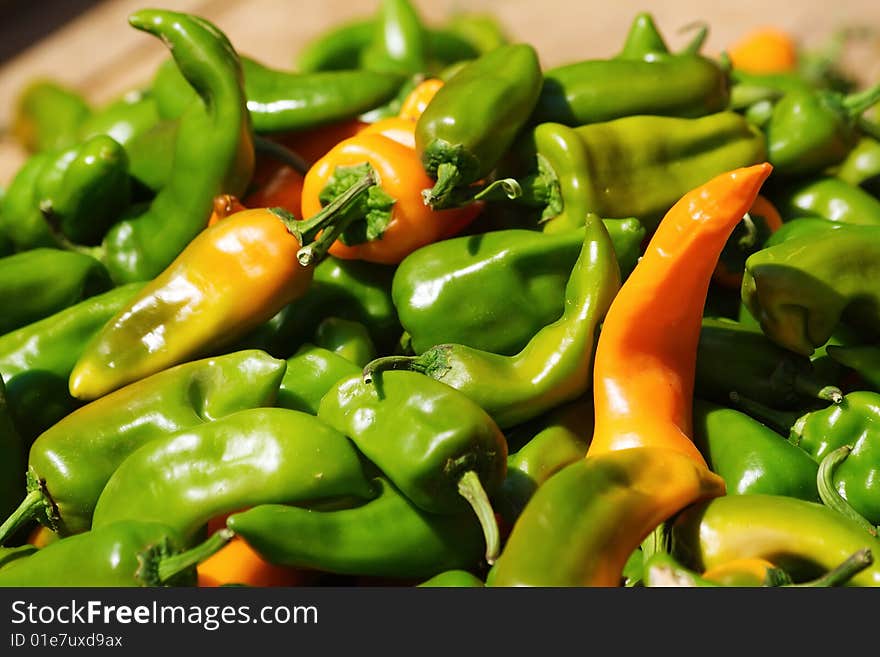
(169, 566)
(28, 509)
(439, 196)
(858, 103)
(386, 363)
(780, 421)
(853, 565)
(830, 496)
(280, 153)
(333, 219)
(699, 39)
(471, 489)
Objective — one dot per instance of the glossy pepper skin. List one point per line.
(803, 538)
(561, 438)
(349, 339)
(862, 165)
(750, 457)
(12, 458)
(48, 115)
(124, 119)
(641, 467)
(40, 282)
(436, 445)
(36, 360)
(399, 41)
(810, 131)
(255, 456)
(232, 277)
(351, 289)
(659, 83)
(474, 118)
(495, 290)
(70, 463)
(734, 358)
(281, 101)
(571, 532)
(802, 227)
(555, 365)
(126, 554)
(141, 246)
(853, 422)
(826, 197)
(801, 290)
(311, 372)
(386, 537)
(595, 167)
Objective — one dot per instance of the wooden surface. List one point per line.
(99, 54)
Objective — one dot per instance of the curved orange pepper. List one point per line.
(645, 362)
(401, 130)
(238, 563)
(417, 100)
(764, 50)
(760, 208)
(401, 175)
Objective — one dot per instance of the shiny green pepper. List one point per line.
(123, 119)
(862, 165)
(399, 42)
(347, 338)
(494, 291)
(826, 197)
(437, 446)
(48, 116)
(12, 457)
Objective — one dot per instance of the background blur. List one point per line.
(88, 44)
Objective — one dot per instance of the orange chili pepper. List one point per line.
(230, 278)
(764, 50)
(417, 100)
(645, 363)
(224, 205)
(750, 571)
(400, 175)
(401, 130)
(732, 279)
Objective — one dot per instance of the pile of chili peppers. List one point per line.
(421, 311)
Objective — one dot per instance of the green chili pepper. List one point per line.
(810, 131)
(736, 358)
(554, 367)
(862, 165)
(347, 338)
(10, 555)
(595, 168)
(40, 282)
(123, 119)
(563, 438)
(71, 462)
(141, 246)
(254, 456)
(750, 457)
(576, 529)
(21, 221)
(864, 359)
(311, 372)
(749, 88)
(801, 290)
(852, 423)
(494, 291)
(644, 79)
(386, 537)
(662, 569)
(431, 441)
(350, 289)
(481, 30)
(125, 554)
(48, 115)
(643, 40)
(803, 538)
(36, 360)
(151, 156)
(85, 190)
(279, 101)
(12, 458)
(473, 119)
(453, 579)
(826, 197)
(399, 42)
(801, 227)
